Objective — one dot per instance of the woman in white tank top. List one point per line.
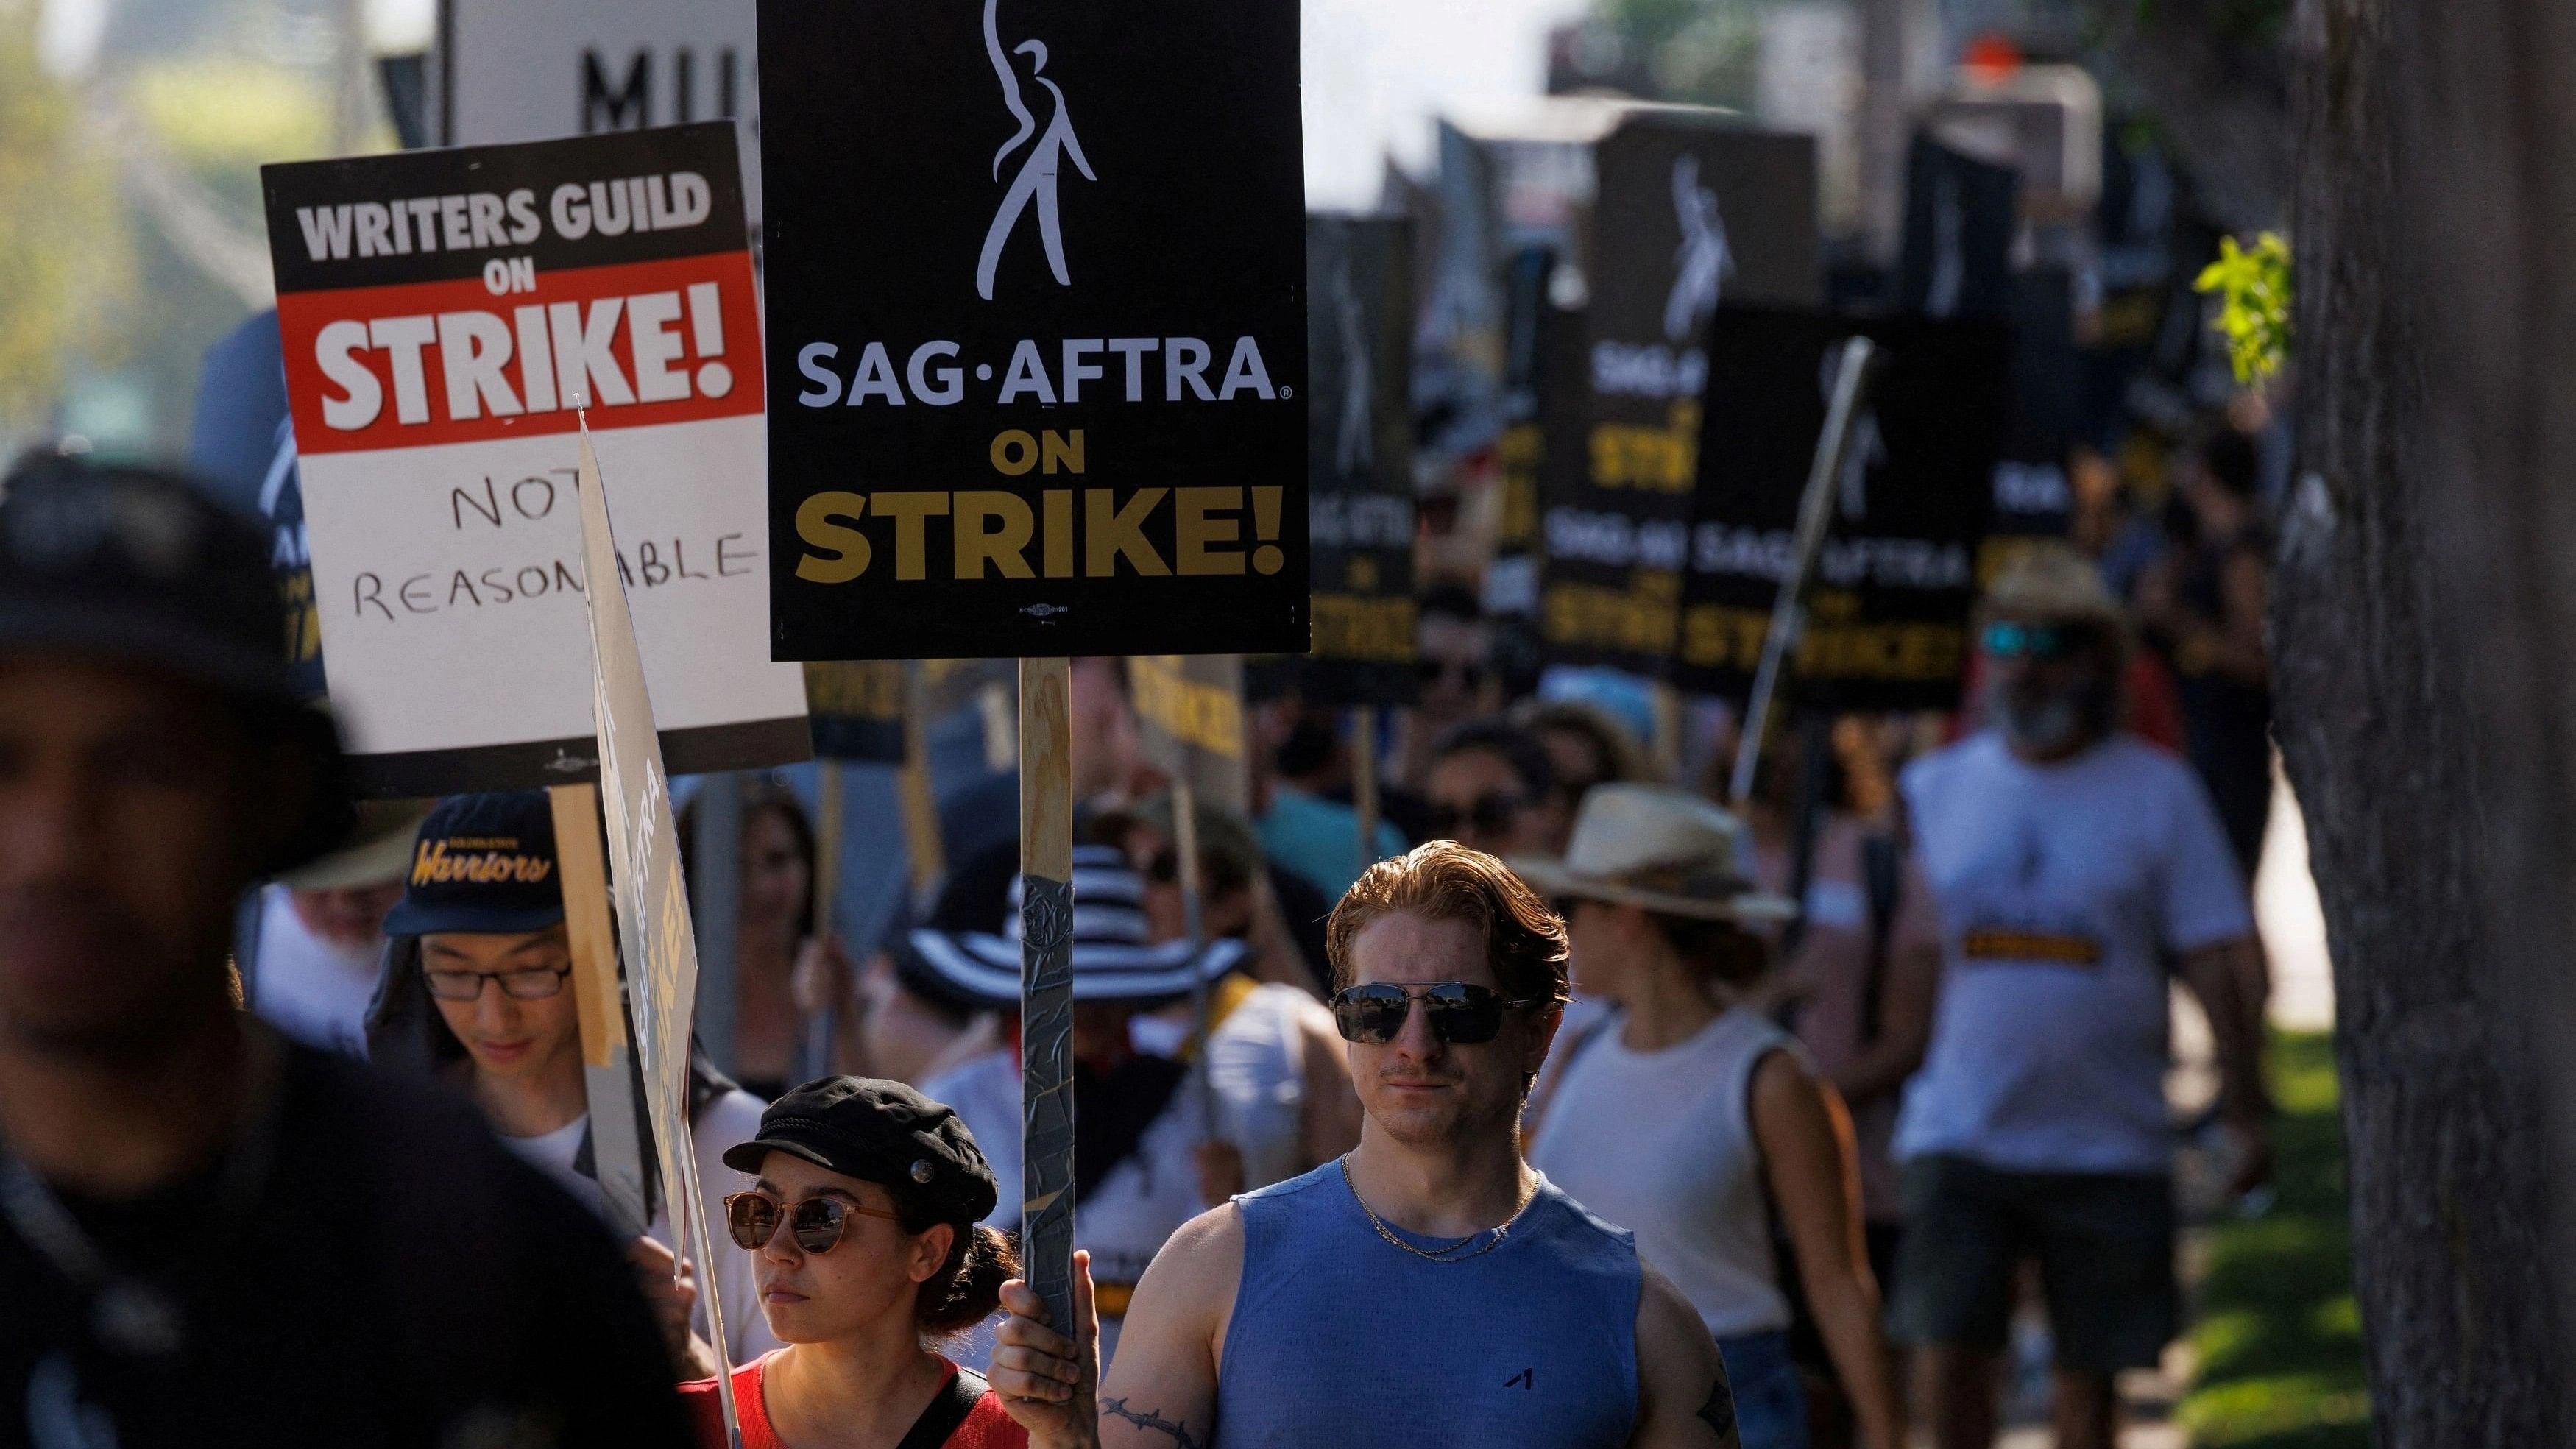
(1671, 1116)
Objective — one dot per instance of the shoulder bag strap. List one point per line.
(946, 1412)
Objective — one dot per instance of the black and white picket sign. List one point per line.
(1889, 599)
(1359, 455)
(1689, 215)
(1035, 278)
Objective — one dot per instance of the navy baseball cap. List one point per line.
(483, 864)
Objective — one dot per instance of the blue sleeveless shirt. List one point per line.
(1340, 1338)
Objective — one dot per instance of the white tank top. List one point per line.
(1661, 1143)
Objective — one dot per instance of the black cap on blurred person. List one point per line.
(482, 864)
(883, 1132)
(134, 566)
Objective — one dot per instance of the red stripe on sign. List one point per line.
(517, 352)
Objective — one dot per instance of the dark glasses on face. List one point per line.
(1490, 815)
(815, 1223)
(1459, 1013)
(2029, 641)
(528, 983)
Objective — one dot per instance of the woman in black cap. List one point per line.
(862, 1232)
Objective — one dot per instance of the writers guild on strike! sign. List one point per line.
(446, 318)
(1038, 341)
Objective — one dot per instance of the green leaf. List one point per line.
(2254, 313)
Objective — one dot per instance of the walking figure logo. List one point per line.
(1703, 261)
(1036, 181)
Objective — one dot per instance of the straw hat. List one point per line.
(1661, 848)
(2051, 580)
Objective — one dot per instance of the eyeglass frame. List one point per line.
(1485, 815)
(429, 981)
(839, 1212)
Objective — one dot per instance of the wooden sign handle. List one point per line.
(1046, 984)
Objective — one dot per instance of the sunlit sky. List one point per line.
(1377, 71)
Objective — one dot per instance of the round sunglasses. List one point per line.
(1459, 1013)
(815, 1223)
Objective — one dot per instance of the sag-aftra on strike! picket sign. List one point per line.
(1035, 279)
(447, 316)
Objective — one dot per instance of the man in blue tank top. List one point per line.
(1427, 1290)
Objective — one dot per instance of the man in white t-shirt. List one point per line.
(478, 993)
(2075, 869)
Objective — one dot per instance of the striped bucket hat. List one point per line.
(1114, 957)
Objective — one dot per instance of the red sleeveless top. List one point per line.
(987, 1425)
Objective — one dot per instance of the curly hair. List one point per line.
(968, 1286)
(1446, 881)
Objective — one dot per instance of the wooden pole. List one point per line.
(607, 1073)
(1185, 847)
(917, 791)
(823, 1023)
(1364, 799)
(1046, 985)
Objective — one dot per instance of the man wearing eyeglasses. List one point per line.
(479, 938)
(2075, 867)
(210, 1234)
(1426, 1290)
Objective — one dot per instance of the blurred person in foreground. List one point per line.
(861, 1222)
(478, 995)
(1492, 788)
(311, 944)
(1429, 1288)
(2071, 862)
(1726, 1120)
(179, 1183)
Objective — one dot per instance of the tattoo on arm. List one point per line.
(1719, 1413)
(1180, 1430)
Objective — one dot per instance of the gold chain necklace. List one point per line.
(1437, 1255)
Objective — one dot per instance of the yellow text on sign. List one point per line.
(1092, 533)
(1196, 714)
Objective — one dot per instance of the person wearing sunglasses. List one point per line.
(1426, 1290)
(1493, 788)
(478, 995)
(1453, 652)
(2078, 871)
(860, 1227)
(1725, 1124)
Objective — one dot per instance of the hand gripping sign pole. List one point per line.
(607, 1075)
(1815, 511)
(1046, 985)
(652, 904)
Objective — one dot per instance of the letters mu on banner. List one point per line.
(1359, 453)
(1891, 595)
(446, 317)
(1691, 216)
(1038, 353)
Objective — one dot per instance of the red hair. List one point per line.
(1446, 881)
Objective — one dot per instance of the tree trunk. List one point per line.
(2421, 597)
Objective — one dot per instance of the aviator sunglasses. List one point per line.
(815, 1223)
(1460, 1014)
